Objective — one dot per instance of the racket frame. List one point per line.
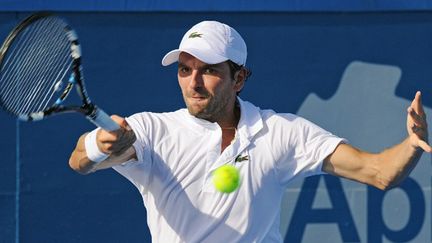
(91, 111)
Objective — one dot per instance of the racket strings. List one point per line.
(11, 66)
(38, 91)
(33, 91)
(51, 76)
(26, 43)
(21, 58)
(28, 54)
(35, 67)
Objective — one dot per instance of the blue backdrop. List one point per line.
(221, 5)
(292, 56)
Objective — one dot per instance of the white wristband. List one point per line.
(92, 150)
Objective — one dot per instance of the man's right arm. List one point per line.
(118, 144)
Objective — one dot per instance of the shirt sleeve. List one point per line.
(303, 148)
(138, 171)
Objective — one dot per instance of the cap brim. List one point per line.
(204, 56)
(171, 57)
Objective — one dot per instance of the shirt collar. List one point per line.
(250, 119)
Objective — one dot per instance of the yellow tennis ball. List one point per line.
(226, 178)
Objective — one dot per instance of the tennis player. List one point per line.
(170, 156)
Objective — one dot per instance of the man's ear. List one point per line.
(239, 78)
(236, 76)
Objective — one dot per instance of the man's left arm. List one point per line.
(388, 168)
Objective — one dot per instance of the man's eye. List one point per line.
(183, 69)
(209, 71)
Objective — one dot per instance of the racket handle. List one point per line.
(103, 120)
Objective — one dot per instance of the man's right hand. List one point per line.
(118, 141)
(118, 144)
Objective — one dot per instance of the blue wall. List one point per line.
(292, 56)
(209, 5)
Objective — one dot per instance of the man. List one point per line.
(170, 156)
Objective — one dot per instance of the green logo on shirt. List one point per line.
(241, 158)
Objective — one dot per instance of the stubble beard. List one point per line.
(211, 111)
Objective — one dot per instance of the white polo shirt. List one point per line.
(177, 154)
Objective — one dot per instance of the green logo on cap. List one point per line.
(195, 35)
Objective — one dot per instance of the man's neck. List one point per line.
(229, 129)
(231, 122)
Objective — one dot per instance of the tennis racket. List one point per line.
(40, 63)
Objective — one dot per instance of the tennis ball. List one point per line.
(226, 178)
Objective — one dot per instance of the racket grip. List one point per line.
(103, 120)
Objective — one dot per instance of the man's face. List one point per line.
(208, 90)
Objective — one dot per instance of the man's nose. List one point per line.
(196, 80)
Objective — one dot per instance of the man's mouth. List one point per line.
(198, 97)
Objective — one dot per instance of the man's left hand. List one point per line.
(417, 125)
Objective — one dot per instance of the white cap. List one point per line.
(211, 42)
